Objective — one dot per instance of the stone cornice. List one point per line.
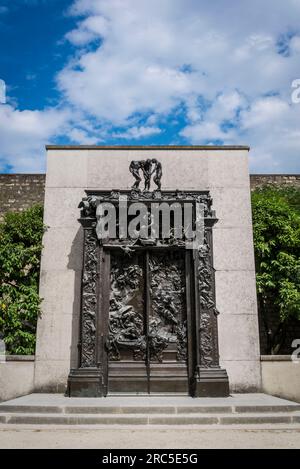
(147, 147)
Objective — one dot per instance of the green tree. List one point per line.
(20, 251)
(276, 229)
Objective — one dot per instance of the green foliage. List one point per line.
(20, 250)
(276, 227)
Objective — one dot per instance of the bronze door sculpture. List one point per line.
(147, 322)
(148, 318)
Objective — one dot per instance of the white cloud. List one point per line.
(115, 91)
(269, 124)
(137, 132)
(88, 30)
(206, 132)
(136, 61)
(295, 44)
(80, 37)
(154, 56)
(23, 135)
(82, 137)
(273, 125)
(266, 111)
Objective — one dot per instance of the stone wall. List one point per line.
(20, 191)
(281, 376)
(16, 376)
(259, 180)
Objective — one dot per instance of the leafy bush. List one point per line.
(276, 228)
(20, 252)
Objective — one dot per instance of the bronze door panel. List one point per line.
(126, 344)
(147, 323)
(167, 322)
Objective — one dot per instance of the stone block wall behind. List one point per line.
(20, 191)
(259, 180)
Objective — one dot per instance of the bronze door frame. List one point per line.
(206, 377)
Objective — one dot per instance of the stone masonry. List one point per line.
(286, 180)
(20, 191)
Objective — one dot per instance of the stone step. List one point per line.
(151, 409)
(146, 419)
(41, 410)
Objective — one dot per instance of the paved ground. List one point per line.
(158, 438)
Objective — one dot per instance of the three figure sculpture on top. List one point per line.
(148, 167)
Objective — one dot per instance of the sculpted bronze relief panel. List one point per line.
(167, 320)
(126, 337)
(147, 332)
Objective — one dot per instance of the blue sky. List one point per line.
(141, 72)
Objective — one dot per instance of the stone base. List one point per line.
(242, 410)
(211, 382)
(85, 382)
